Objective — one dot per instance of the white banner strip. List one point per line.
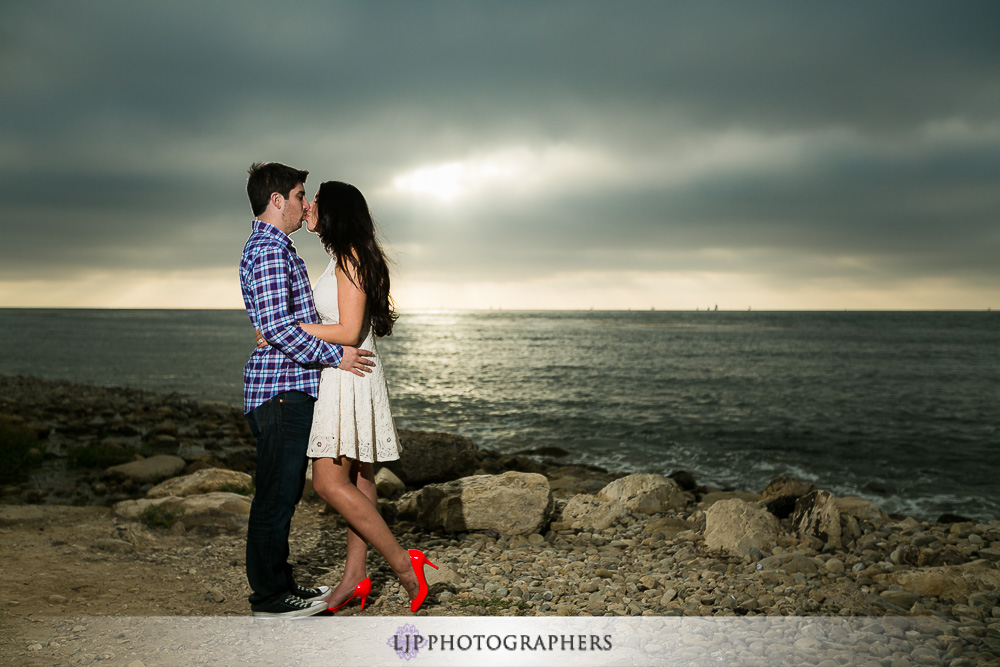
(438, 640)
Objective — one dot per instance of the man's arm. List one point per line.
(270, 284)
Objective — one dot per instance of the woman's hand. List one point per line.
(261, 342)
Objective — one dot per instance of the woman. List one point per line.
(352, 424)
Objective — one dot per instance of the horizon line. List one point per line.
(556, 310)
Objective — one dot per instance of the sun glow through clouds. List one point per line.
(520, 168)
(450, 181)
(445, 182)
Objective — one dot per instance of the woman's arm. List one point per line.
(351, 302)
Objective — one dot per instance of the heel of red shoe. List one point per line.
(363, 590)
(417, 562)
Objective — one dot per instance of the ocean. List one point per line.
(899, 407)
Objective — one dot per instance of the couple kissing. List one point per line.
(314, 388)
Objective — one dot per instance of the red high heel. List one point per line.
(362, 591)
(417, 562)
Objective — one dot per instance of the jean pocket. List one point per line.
(252, 423)
(257, 419)
(294, 398)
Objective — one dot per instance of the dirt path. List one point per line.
(61, 563)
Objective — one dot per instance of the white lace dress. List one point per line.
(352, 416)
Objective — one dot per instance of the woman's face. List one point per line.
(312, 216)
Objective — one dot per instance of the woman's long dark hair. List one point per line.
(347, 230)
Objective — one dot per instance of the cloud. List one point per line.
(514, 145)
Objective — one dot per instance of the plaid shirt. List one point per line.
(277, 294)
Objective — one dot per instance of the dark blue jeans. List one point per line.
(281, 426)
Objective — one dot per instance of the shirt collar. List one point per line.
(272, 232)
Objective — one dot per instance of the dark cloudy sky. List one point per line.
(516, 154)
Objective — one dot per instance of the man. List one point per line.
(280, 384)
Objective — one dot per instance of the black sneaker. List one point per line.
(311, 594)
(290, 606)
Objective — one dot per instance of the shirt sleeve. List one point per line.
(270, 284)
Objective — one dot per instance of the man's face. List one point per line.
(295, 209)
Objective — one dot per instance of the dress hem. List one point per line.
(355, 456)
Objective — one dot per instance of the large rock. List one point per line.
(433, 457)
(783, 487)
(646, 493)
(442, 579)
(713, 497)
(513, 503)
(148, 471)
(953, 583)
(590, 513)
(737, 526)
(388, 485)
(816, 514)
(205, 480)
(861, 509)
(219, 511)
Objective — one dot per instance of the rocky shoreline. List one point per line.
(523, 535)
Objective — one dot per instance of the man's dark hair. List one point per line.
(266, 178)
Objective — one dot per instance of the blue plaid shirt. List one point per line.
(277, 294)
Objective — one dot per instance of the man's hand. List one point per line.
(355, 360)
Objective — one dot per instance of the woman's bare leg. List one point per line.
(363, 477)
(332, 482)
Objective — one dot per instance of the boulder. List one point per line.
(710, 499)
(816, 514)
(737, 526)
(587, 512)
(442, 579)
(388, 485)
(952, 583)
(781, 487)
(861, 509)
(513, 503)
(205, 480)
(219, 511)
(147, 471)
(229, 511)
(646, 493)
(433, 457)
